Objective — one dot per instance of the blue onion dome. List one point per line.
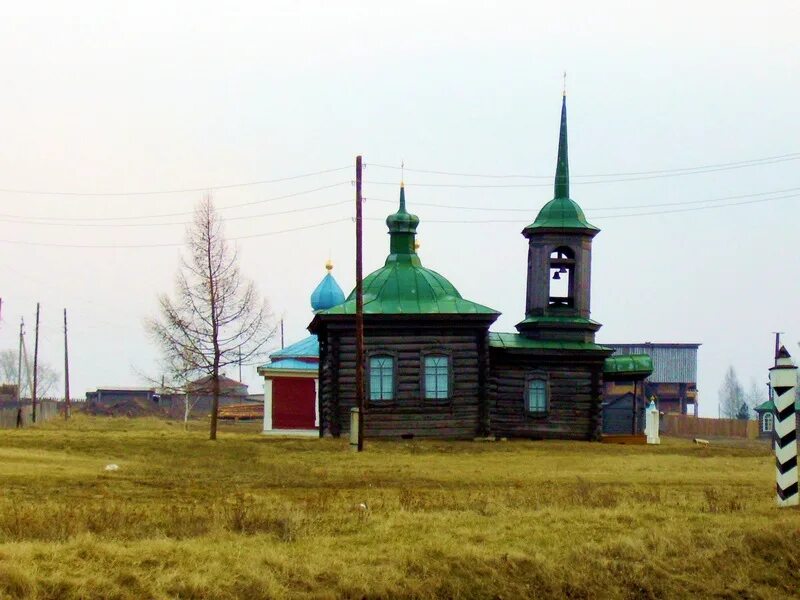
(328, 293)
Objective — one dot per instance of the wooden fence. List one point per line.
(688, 426)
(45, 410)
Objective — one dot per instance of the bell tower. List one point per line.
(557, 305)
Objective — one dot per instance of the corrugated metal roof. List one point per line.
(672, 363)
(628, 366)
(306, 348)
(404, 286)
(517, 341)
(289, 364)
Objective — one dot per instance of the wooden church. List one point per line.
(433, 368)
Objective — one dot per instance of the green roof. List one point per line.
(560, 320)
(628, 366)
(561, 212)
(516, 341)
(769, 405)
(403, 285)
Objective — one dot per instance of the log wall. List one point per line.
(575, 385)
(409, 414)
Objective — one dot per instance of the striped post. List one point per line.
(783, 379)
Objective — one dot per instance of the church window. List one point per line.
(436, 375)
(562, 277)
(536, 396)
(381, 377)
(766, 422)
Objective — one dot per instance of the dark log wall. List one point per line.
(575, 387)
(409, 414)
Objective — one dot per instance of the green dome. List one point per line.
(403, 285)
(402, 221)
(561, 213)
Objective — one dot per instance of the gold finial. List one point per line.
(329, 264)
(402, 172)
(564, 90)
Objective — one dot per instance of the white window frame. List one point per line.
(767, 422)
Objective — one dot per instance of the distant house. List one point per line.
(130, 401)
(766, 416)
(8, 395)
(200, 393)
(673, 382)
(110, 396)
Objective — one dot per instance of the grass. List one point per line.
(256, 517)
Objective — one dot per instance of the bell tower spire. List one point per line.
(562, 163)
(557, 306)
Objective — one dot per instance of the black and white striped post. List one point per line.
(783, 379)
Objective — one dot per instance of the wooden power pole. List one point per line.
(359, 311)
(66, 370)
(19, 363)
(35, 363)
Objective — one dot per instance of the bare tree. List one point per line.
(731, 395)
(48, 377)
(755, 394)
(215, 311)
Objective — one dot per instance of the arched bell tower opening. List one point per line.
(562, 277)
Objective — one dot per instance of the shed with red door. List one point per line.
(291, 380)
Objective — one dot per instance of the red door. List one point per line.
(293, 403)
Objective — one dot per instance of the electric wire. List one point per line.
(181, 213)
(681, 170)
(619, 207)
(445, 221)
(637, 214)
(593, 182)
(172, 244)
(206, 188)
(184, 223)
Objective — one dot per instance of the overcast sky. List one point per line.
(162, 96)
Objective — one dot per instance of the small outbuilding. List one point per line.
(291, 377)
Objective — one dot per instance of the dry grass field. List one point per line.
(253, 517)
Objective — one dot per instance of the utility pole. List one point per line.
(19, 372)
(359, 311)
(66, 370)
(35, 363)
(240, 363)
(19, 363)
(281, 333)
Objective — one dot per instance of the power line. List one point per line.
(595, 217)
(236, 218)
(680, 170)
(171, 244)
(594, 182)
(710, 204)
(619, 207)
(206, 188)
(178, 214)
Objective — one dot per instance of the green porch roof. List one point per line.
(403, 285)
(769, 405)
(628, 366)
(516, 341)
